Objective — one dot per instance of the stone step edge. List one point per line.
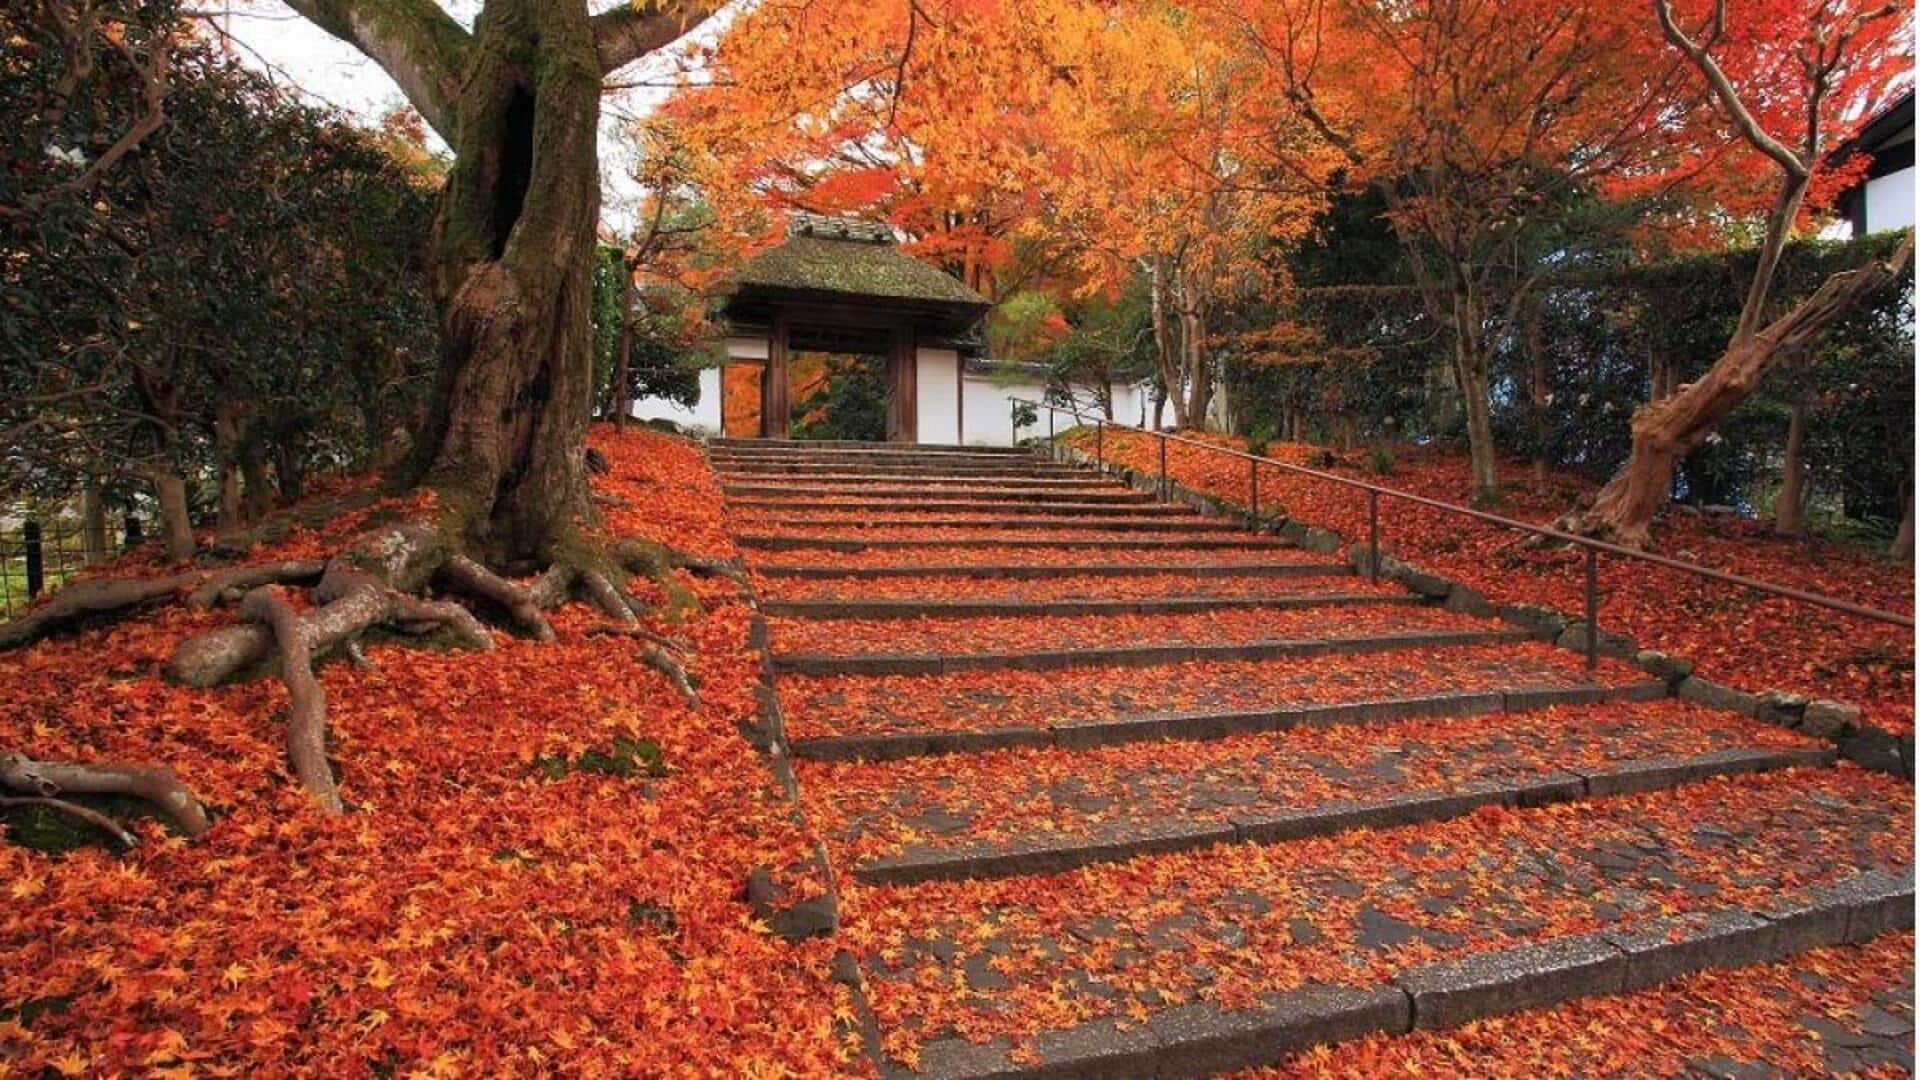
(1168, 605)
(1139, 727)
(864, 445)
(1048, 571)
(949, 505)
(1198, 542)
(993, 531)
(1128, 656)
(854, 481)
(1202, 1039)
(1407, 808)
(777, 465)
(780, 497)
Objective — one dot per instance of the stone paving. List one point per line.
(1149, 861)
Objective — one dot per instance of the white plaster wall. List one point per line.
(989, 412)
(1890, 201)
(937, 396)
(704, 415)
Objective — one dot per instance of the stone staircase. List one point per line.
(1117, 789)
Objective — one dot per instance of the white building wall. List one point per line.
(936, 394)
(1890, 201)
(703, 416)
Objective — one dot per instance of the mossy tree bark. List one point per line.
(518, 101)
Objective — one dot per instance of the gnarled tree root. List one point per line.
(154, 783)
(85, 599)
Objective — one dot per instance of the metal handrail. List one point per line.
(1593, 548)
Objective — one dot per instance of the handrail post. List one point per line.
(1013, 421)
(1593, 608)
(30, 539)
(1099, 442)
(1165, 492)
(1373, 536)
(1253, 490)
(1052, 450)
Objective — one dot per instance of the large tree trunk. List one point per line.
(95, 543)
(513, 273)
(1668, 430)
(1789, 511)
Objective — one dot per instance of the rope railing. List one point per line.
(1593, 548)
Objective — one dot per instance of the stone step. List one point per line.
(863, 481)
(844, 543)
(900, 715)
(1047, 504)
(1060, 609)
(743, 457)
(828, 498)
(1020, 635)
(1196, 962)
(960, 468)
(1094, 523)
(737, 444)
(1128, 656)
(1046, 809)
(1122, 728)
(1199, 572)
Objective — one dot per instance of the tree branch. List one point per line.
(415, 41)
(627, 33)
(1724, 92)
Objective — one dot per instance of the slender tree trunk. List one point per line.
(513, 272)
(1902, 547)
(622, 395)
(1540, 396)
(1193, 348)
(1165, 353)
(226, 456)
(1470, 371)
(95, 541)
(1789, 511)
(176, 524)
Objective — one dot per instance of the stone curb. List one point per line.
(1864, 744)
(1203, 1039)
(1138, 727)
(793, 919)
(1172, 605)
(1049, 571)
(1210, 542)
(1132, 656)
(1407, 808)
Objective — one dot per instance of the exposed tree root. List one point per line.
(79, 813)
(307, 724)
(85, 599)
(382, 579)
(659, 659)
(521, 603)
(229, 586)
(154, 783)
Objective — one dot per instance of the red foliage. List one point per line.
(476, 914)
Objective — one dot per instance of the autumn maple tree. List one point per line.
(1781, 76)
(498, 470)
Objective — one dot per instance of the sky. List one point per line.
(271, 37)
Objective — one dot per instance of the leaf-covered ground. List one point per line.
(1071, 587)
(1734, 636)
(542, 872)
